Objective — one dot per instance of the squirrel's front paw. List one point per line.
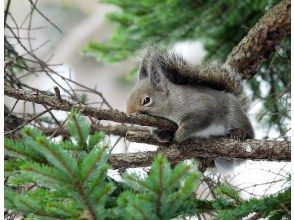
(237, 134)
(162, 136)
(180, 136)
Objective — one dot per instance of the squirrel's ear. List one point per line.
(158, 80)
(143, 73)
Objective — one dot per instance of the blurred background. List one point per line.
(95, 43)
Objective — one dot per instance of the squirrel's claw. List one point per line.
(162, 136)
(237, 134)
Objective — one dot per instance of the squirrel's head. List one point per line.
(150, 94)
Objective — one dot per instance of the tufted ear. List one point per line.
(158, 80)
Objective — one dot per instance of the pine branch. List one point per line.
(18, 149)
(258, 44)
(160, 190)
(78, 128)
(90, 163)
(65, 162)
(156, 194)
(266, 207)
(47, 173)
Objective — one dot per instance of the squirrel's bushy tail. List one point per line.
(226, 166)
(240, 94)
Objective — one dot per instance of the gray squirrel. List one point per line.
(203, 100)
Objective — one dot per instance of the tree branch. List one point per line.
(223, 147)
(102, 114)
(119, 130)
(257, 45)
(207, 148)
(201, 149)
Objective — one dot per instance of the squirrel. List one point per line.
(204, 100)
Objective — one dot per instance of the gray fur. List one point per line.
(199, 110)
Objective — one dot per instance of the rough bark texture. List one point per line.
(219, 147)
(257, 45)
(119, 130)
(102, 114)
(201, 150)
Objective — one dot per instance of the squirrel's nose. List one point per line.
(133, 109)
(130, 110)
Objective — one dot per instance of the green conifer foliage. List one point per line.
(71, 174)
(220, 24)
(162, 194)
(273, 207)
(67, 179)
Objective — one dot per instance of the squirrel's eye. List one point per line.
(146, 100)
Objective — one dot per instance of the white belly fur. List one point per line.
(211, 130)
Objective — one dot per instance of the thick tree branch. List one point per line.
(257, 45)
(201, 149)
(222, 147)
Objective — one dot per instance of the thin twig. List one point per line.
(28, 121)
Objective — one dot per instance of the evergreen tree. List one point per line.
(67, 179)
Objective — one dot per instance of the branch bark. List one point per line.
(101, 114)
(257, 45)
(201, 149)
(119, 130)
(223, 147)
